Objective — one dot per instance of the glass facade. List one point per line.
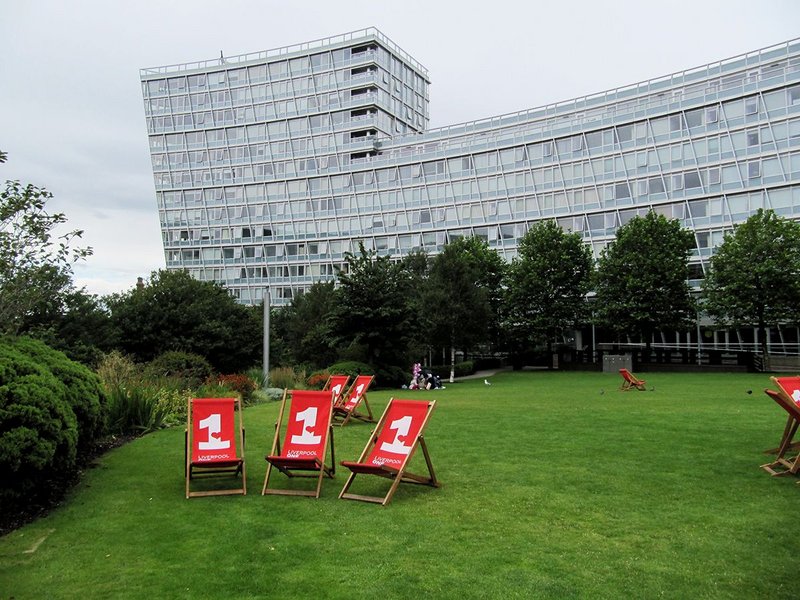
(270, 166)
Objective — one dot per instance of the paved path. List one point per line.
(478, 374)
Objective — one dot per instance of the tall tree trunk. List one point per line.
(452, 363)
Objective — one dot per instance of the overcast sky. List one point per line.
(72, 118)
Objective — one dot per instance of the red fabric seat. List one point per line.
(305, 443)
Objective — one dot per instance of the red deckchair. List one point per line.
(337, 385)
(390, 448)
(788, 398)
(305, 445)
(356, 395)
(210, 445)
(630, 381)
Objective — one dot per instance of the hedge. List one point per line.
(51, 411)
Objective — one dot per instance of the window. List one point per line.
(625, 133)
(547, 149)
(656, 185)
(691, 179)
(713, 175)
(712, 114)
(754, 169)
(751, 105)
(752, 138)
(694, 118)
(793, 95)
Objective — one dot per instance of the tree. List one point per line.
(35, 266)
(754, 276)
(372, 308)
(546, 285)
(642, 278)
(460, 295)
(309, 326)
(176, 312)
(79, 326)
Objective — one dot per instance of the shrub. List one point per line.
(172, 405)
(117, 369)
(393, 377)
(135, 410)
(187, 370)
(318, 379)
(240, 384)
(352, 368)
(269, 394)
(38, 428)
(462, 369)
(287, 377)
(257, 375)
(82, 388)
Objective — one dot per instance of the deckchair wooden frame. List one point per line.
(785, 464)
(289, 466)
(342, 415)
(337, 398)
(397, 475)
(216, 468)
(630, 381)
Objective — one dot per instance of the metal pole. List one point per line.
(266, 337)
(699, 344)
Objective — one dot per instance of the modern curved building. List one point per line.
(270, 166)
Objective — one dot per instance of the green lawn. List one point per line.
(554, 485)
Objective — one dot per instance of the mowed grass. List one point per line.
(554, 485)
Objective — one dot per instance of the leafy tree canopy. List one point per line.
(547, 284)
(176, 312)
(642, 278)
(754, 277)
(35, 264)
(458, 294)
(372, 307)
(309, 326)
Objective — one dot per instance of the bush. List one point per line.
(38, 429)
(462, 369)
(82, 387)
(257, 375)
(186, 369)
(352, 368)
(241, 384)
(392, 377)
(136, 409)
(287, 377)
(318, 379)
(269, 394)
(117, 369)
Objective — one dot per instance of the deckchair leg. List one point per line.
(392, 489)
(347, 485)
(266, 479)
(427, 456)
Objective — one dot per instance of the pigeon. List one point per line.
(486, 381)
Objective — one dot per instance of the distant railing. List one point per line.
(369, 32)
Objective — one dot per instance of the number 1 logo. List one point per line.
(214, 425)
(401, 427)
(309, 419)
